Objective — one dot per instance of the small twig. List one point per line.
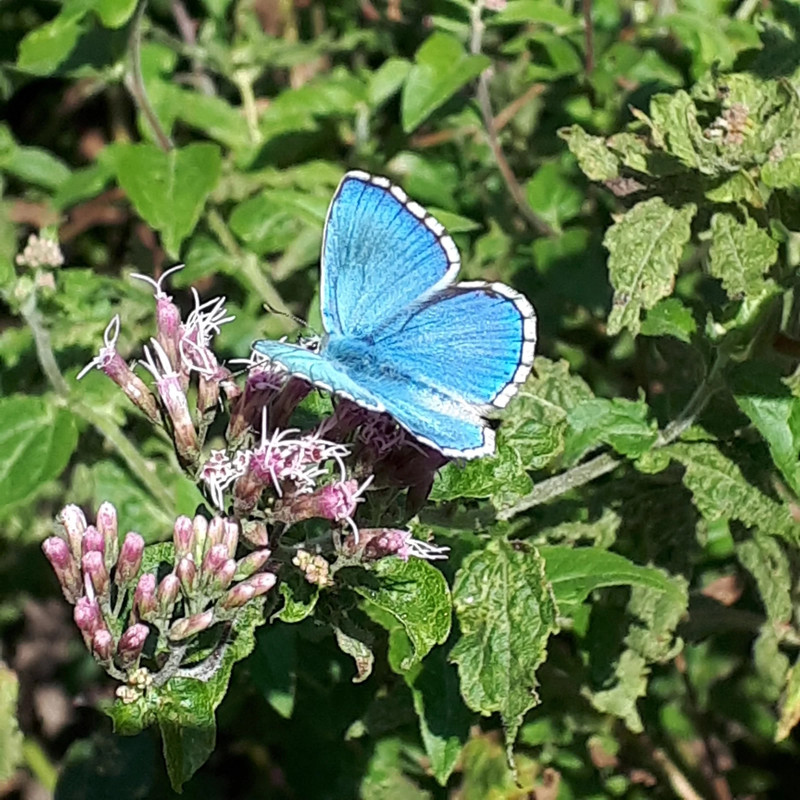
(585, 473)
(136, 82)
(505, 115)
(171, 665)
(485, 105)
(209, 667)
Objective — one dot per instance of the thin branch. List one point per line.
(44, 348)
(600, 465)
(485, 105)
(136, 81)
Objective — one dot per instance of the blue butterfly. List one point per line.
(400, 336)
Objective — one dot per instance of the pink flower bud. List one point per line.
(64, 565)
(131, 644)
(255, 533)
(187, 575)
(87, 615)
(182, 537)
(200, 527)
(252, 563)
(191, 626)
(168, 325)
(95, 569)
(93, 541)
(215, 559)
(167, 594)
(336, 501)
(261, 583)
(144, 598)
(230, 536)
(102, 644)
(74, 522)
(107, 525)
(237, 597)
(223, 577)
(177, 406)
(130, 559)
(215, 529)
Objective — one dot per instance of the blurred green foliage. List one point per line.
(623, 570)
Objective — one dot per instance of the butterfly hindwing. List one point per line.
(380, 253)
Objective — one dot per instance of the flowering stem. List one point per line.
(137, 464)
(44, 348)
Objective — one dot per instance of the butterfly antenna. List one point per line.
(299, 320)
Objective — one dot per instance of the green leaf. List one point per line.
(416, 594)
(740, 254)
(506, 613)
(45, 47)
(675, 127)
(782, 173)
(115, 13)
(441, 68)
(37, 441)
(444, 720)
(775, 412)
(721, 492)
(530, 12)
(10, 735)
(645, 249)
(31, 164)
(669, 317)
(575, 572)
(386, 81)
(273, 666)
(555, 199)
(187, 746)
(618, 422)
(356, 642)
(763, 557)
(538, 426)
(299, 597)
(592, 152)
(501, 477)
(170, 189)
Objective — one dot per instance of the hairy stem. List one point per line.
(136, 85)
(44, 348)
(600, 465)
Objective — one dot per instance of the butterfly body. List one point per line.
(400, 335)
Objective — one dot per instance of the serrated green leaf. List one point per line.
(782, 173)
(645, 249)
(675, 127)
(10, 734)
(506, 613)
(622, 424)
(740, 254)
(416, 594)
(37, 441)
(441, 67)
(721, 492)
(501, 477)
(444, 720)
(763, 557)
(594, 157)
(669, 317)
(538, 426)
(170, 189)
(575, 572)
